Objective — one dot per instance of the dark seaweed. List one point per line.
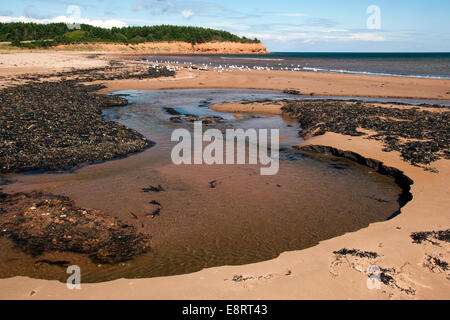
(357, 253)
(430, 236)
(430, 131)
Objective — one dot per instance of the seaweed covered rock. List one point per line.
(39, 222)
(55, 125)
(421, 136)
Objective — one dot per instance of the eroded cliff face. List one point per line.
(171, 47)
(230, 48)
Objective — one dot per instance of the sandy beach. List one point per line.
(324, 271)
(308, 83)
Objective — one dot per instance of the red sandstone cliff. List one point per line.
(171, 47)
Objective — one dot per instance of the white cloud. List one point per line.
(313, 36)
(357, 37)
(293, 14)
(274, 36)
(336, 30)
(366, 37)
(187, 13)
(94, 22)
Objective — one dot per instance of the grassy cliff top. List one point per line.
(61, 33)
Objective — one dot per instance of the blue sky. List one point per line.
(282, 25)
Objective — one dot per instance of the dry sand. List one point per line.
(313, 273)
(47, 62)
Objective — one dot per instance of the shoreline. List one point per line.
(306, 82)
(313, 273)
(113, 88)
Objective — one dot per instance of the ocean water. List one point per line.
(423, 65)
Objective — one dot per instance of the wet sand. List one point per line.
(308, 83)
(314, 273)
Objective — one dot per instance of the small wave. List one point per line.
(375, 73)
(315, 69)
(257, 59)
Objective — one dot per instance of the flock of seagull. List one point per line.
(180, 65)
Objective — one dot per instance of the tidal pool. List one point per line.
(244, 219)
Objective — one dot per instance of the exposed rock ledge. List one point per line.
(403, 181)
(175, 47)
